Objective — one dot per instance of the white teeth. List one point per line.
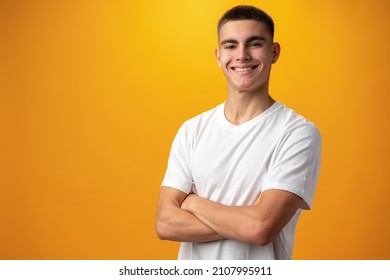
(243, 69)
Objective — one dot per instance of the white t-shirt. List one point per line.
(232, 165)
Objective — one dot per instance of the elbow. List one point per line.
(261, 235)
(160, 233)
(262, 241)
(162, 230)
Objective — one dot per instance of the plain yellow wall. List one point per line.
(93, 92)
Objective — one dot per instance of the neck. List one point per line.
(241, 107)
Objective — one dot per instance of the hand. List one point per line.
(189, 199)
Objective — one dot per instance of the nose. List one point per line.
(243, 54)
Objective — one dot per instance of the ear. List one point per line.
(275, 52)
(217, 56)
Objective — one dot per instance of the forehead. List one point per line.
(241, 29)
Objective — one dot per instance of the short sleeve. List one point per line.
(178, 174)
(295, 164)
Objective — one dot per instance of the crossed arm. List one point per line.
(191, 218)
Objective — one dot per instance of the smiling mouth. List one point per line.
(244, 69)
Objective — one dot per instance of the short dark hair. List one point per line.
(244, 12)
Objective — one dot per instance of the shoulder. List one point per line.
(197, 122)
(294, 130)
(190, 128)
(293, 121)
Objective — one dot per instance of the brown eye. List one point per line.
(255, 45)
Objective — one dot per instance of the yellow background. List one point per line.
(93, 92)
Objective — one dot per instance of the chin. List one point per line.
(242, 88)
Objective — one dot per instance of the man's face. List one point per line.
(245, 54)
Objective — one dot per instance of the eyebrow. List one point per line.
(250, 39)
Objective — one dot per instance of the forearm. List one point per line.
(180, 225)
(233, 222)
(259, 223)
(176, 224)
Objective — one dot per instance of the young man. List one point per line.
(239, 174)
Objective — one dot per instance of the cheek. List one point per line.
(263, 55)
(224, 59)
